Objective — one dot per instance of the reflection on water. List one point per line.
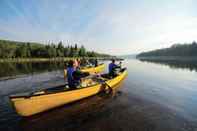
(175, 88)
(13, 69)
(190, 65)
(153, 97)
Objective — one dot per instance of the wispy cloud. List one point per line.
(117, 27)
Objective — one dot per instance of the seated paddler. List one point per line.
(74, 75)
(112, 68)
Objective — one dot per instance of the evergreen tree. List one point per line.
(12, 49)
(82, 51)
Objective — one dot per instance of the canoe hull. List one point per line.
(40, 103)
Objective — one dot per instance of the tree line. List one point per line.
(13, 49)
(187, 50)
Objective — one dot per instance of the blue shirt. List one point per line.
(70, 71)
(111, 67)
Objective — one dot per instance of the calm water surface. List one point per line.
(13, 70)
(154, 96)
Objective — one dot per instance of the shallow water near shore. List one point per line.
(154, 96)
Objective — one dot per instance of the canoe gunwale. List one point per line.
(48, 92)
(52, 92)
(99, 65)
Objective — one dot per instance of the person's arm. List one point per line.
(115, 66)
(65, 74)
(78, 74)
(118, 66)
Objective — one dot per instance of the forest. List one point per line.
(180, 50)
(14, 49)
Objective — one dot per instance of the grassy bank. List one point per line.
(19, 60)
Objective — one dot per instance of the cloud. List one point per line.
(116, 27)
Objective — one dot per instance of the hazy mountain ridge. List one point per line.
(129, 56)
(176, 50)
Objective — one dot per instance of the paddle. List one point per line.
(109, 88)
(103, 82)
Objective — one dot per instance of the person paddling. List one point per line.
(112, 66)
(95, 63)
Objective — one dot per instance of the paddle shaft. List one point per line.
(103, 82)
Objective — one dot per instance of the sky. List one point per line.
(115, 27)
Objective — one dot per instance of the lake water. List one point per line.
(154, 96)
(12, 70)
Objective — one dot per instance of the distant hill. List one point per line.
(176, 50)
(131, 56)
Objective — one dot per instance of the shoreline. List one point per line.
(168, 58)
(56, 59)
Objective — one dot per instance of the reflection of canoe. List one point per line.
(68, 115)
(91, 70)
(27, 105)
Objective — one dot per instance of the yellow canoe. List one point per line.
(27, 105)
(91, 70)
